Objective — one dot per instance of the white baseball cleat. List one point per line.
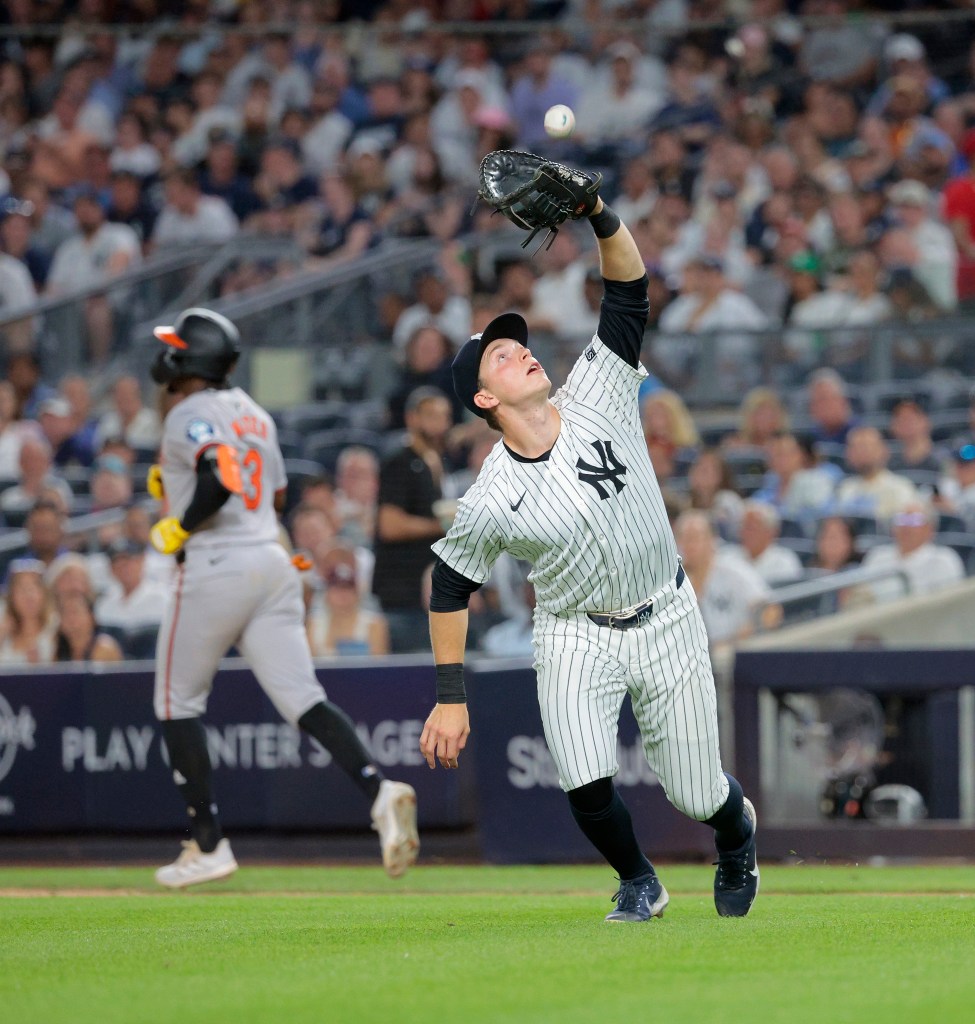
(193, 865)
(394, 818)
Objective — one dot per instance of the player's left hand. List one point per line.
(154, 482)
(445, 734)
(168, 536)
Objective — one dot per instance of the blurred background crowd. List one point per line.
(800, 177)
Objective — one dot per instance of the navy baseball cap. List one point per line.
(467, 362)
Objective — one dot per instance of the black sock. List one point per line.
(333, 728)
(189, 758)
(604, 819)
(731, 828)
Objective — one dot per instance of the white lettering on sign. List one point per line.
(266, 745)
(531, 765)
(125, 749)
(393, 743)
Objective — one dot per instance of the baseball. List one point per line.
(559, 121)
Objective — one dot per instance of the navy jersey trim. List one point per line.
(523, 458)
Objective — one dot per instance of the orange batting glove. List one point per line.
(168, 536)
(301, 563)
(154, 482)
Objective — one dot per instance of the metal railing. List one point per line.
(280, 298)
(821, 595)
(59, 327)
(330, 313)
(717, 367)
(14, 541)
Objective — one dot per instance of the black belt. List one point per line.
(641, 614)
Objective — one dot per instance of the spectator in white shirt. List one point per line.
(100, 251)
(132, 153)
(135, 423)
(435, 306)
(638, 191)
(290, 82)
(189, 217)
(814, 308)
(616, 108)
(16, 284)
(873, 489)
(935, 261)
(927, 566)
(758, 534)
(36, 463)
(793, 486)
(323, 143)
(707, 304)
(868, 306)
(558, 292)
(132, 602)
(211, 115)
(716, 230)
(728, 589)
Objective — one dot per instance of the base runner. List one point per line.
(223, 476)
(570, 488)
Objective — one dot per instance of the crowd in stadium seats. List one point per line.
(816, 180)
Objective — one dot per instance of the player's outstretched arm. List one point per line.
(619, 257)
(446, 730)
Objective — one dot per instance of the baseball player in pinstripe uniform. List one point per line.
(223, 476)
(571, 489)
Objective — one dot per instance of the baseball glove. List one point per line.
(536, 194)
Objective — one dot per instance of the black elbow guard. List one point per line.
(450, 592)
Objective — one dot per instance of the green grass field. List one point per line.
(481, 944)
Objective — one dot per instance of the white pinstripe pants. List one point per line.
(585, 671)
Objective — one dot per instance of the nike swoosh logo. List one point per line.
(753, 872)
(217, 558)
(515, 507)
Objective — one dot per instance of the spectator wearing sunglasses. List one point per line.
(927, 566)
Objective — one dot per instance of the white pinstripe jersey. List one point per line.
(589, 517)
(224, 416)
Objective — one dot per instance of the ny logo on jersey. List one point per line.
(610, 468)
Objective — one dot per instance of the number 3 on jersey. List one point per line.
(252, 466)
(241, 475)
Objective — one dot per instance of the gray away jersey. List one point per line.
(231, 417)
(590, 518)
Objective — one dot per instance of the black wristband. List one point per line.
(605, 224)
(450, 684)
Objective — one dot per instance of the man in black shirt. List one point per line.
(409, 484)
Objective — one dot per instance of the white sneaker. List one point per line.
(193, 865)
(394, 818)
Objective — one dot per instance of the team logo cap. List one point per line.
(467, 362)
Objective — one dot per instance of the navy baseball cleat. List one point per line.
(639, 900)
(736, 880)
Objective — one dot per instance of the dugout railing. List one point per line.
(825, 595)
